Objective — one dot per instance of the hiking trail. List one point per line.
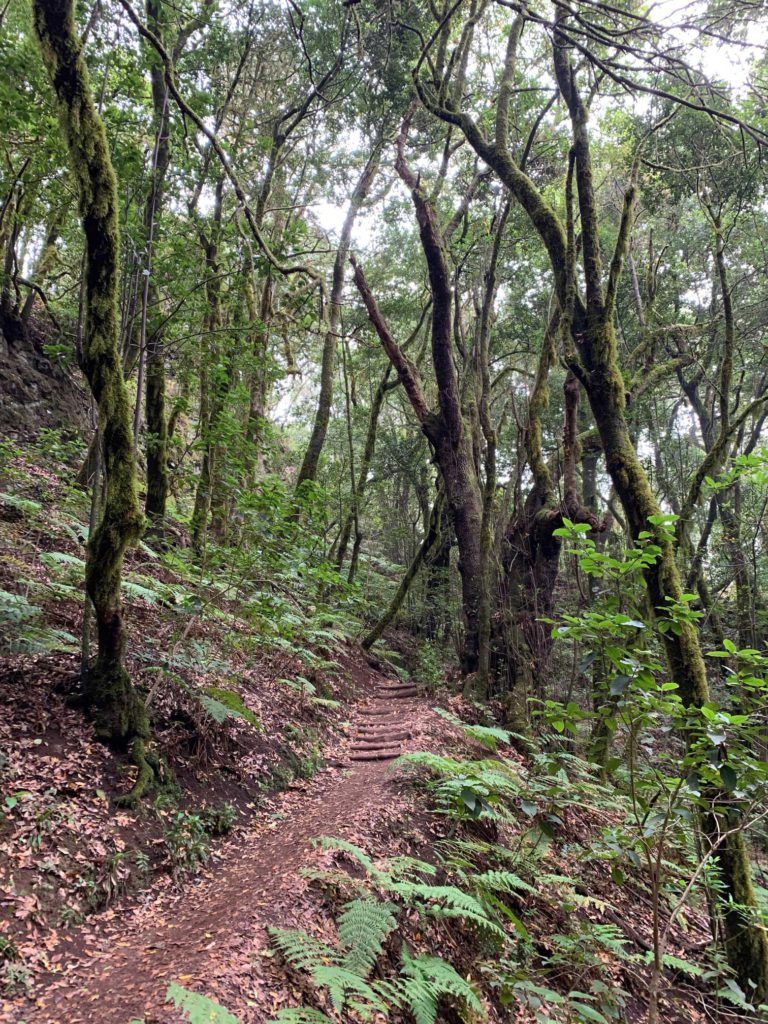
(117, 968)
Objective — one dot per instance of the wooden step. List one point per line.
(388, 744)
(375, 755)
(380, 734)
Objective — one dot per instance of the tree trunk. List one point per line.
(431, 539)
(45, 262)
(308, 470)
(156, 419)
(212, 384)
(120, 713)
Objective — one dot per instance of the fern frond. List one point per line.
(424, 979)
(434, 763)
(340, 983)
(501, 881)
(415, 995)
(333, 843)
(404, 867)
(448, 901)
(301, 1015)
(300, 950)
(197, 1008)
(488, 736)
(363, 929)
(450, 895)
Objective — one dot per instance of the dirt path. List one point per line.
(207, 936)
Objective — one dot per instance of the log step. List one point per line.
(381, 734)
(375, 755)
(374, 745)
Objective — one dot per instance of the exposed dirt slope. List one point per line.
(36, 391)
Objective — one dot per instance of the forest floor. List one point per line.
(262, 706)
(211, 936)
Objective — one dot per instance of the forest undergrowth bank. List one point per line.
(479, 876)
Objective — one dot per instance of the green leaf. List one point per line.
(587, 1012)
(619, 685)
(729, 777)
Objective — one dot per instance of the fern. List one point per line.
(434, 763)
(197, 1008)
(139, 593)
(363, 929)
(301, 1015)
(501, 881)
(448, 901)
(488, 736)
(300, 949)
(340, 982)
(25, 505)
(676, 963)
(221, 704)
(424, 980)
(404, 867)
(58, 559)
(332, 843)
(20, 630)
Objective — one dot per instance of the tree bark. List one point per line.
(156, 418)
(120, 713)
(308, 470)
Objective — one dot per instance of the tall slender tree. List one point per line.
(120, 713)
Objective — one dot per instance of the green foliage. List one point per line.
(488, 736)
(425, 980)
(198, 1009)
(186, 841)
(22, 629)
(218, 820)
(222, 704)
(363, 928)
(24, 506)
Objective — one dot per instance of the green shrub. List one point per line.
(218, 820)
(186, 840)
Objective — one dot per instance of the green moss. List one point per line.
(121, 715)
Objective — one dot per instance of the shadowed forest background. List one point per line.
(383, 511)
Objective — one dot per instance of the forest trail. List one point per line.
(120, 971)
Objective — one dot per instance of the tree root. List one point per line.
(151, 773)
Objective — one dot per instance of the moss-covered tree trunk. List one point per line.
(119, 710)
(595, 342)
(450, 430)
